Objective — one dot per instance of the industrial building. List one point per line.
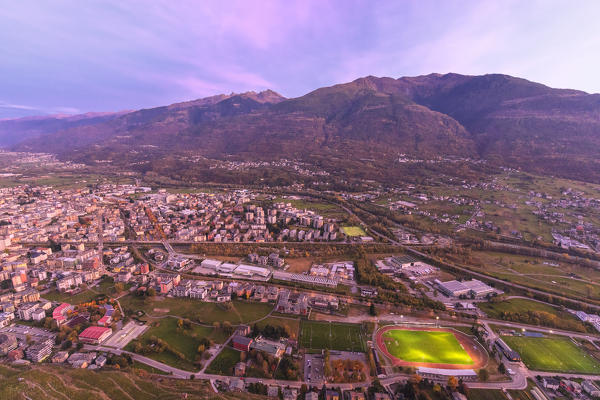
(473, 287)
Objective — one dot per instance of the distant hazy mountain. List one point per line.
(507, 120)
(16, 130)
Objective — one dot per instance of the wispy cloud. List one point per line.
(18, 106)
(39, 110)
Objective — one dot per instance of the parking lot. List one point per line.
(125, 335)
(313, 369)
(22, 331)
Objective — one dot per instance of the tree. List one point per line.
(452, 382)
(502, 368)
(119, 287)
(372, 310)
(483, 375)
(151, 292)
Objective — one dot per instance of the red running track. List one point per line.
(473, 348)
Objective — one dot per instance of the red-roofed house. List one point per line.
(59, 314)
(241, 343)
(105, 321)
(95, 334)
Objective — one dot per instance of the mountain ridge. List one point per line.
(506, 120)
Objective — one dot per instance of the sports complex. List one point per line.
(430, 347)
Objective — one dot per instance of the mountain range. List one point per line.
(505, 120)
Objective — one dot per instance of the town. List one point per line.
(255, 294)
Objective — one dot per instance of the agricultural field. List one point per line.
(59, 383)
(426, 346)
(185, 342)
(553, 354)
(224, 362)
(240, 312)
(333, 336)
(354, 231)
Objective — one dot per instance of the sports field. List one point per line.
(436, 347)
(333, 336)
(354, 231)
(553, 354)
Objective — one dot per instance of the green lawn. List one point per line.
(333, 336)
(223, 364)
(553, 354)
(83, 297)
(354, 231)
(426, 346)
(241, 312)
(185, 342)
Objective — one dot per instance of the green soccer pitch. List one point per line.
(426, 347)
(553, 354)
(354, 231)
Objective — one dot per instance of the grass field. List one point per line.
(241, 312)
(333, 336)
(426, 346)
(223, 364)
(83, 297)
(354, 231)
(553, 354)
(495, 310)
(186, 343)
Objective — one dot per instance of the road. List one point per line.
(181, 374)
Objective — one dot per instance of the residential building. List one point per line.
(8, 342)
(39, 351)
